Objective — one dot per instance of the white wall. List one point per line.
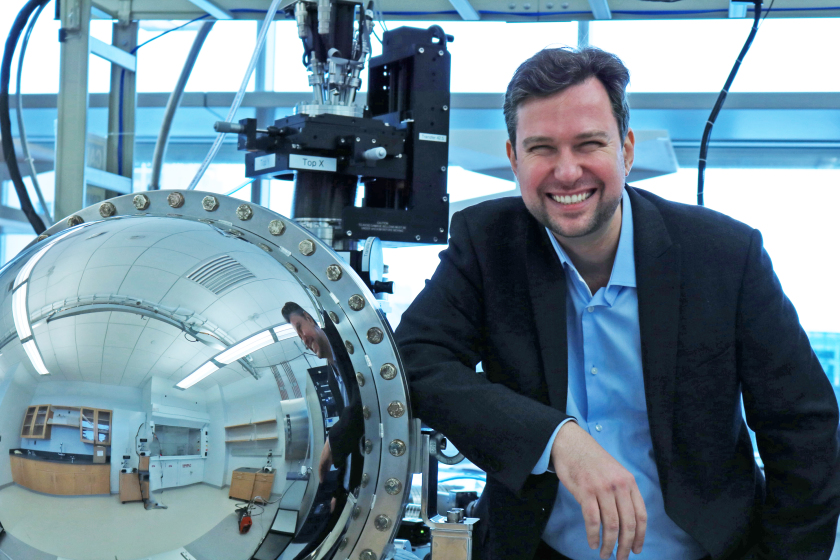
(16, 391)
(215, 465)
(126, 424)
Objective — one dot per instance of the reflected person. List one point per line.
(342, 444)
(619, 335)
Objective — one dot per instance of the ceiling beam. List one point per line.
(212, 9)
(600, 9)
(465, 10)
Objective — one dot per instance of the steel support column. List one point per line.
(121, 154)
(264, 81)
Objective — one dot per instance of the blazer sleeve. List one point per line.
(442, 336)
(791, 406)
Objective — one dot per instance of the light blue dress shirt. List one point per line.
(606, 397)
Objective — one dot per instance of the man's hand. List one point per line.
(326, 461)
(606, 491)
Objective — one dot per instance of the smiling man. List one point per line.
(618, 335)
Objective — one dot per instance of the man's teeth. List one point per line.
(571, 199)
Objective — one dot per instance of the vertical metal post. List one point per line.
(583, 34)
(264, 81)
(121, 105)
(71, 134)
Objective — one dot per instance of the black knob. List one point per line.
(383, 287)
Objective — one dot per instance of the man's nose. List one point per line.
(567, 168)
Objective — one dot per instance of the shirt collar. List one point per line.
(624, 266)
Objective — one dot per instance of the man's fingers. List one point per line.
(641, 520)
(610, 522)
(592, 521)
(629, 524)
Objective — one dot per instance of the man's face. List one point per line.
(311, 335)
(571, 162)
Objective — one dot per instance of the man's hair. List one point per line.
(291, 308)
(551, 71)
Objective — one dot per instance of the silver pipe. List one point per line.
(174, 102)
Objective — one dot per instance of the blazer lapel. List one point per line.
(547, 286)
(658, 289)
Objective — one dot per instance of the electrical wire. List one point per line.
(24, 143)
(5, 121)
(707, 132)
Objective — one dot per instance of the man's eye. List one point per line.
(540, 148)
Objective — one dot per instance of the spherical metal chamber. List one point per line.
(163, 322)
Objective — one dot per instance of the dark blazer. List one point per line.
(715, 327)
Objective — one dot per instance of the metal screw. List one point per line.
(434, 239)
(356, 302)
(343, 141)
(349, 233)
(440, 53)
(382, 522)
(512, 6)
(315, 291)
(373, 140)
(367, 555)
(421, 50)
(396, 409)
(334, 272)
(244, 212)
(565, 5)
(443, 168)
(375, 335)
(368, 446)
(175, 199)
(290, 266)
(549, 5)
(141, 201)
(210, 203)
(74, 221)
(349, 346)
(446, 107)
(526, 6)
(417, 237)
(397, 448)
(388, 371)
(358, 139)
(306, 247)
(445, 199)
(366, 412)
(276, 227)
(365, 480)
(107, 209)
(42, 236)
(441, 229)
(343, 544)
(357, 511)
(393, 486)
(334, 317)
(265, 247)
(360, 379)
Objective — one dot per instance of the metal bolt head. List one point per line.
(357, 511)
(367, 554)
(366, 412)
(358, 139)
(349, 346)
(421, 50)
(434, 239)
(290, 267)
(393, 486)
(443, 168)
(360, 379)
(210, 203)
(388, 371)
(343, 544)
(397, 448)
(106, 209)
(373, 140)
(356, 302)
(74, 221)
(382, 522)
(368, 446)
(374, 335)
(365, 480)
(175, 199)
(265, 247)
(334, 272)
(417, 237)
(440, 230)
(306, 247)
(455, 515)
(445, 199)
(440, 53)
(42, 236)
(549, 5)
(276, 227)
(333, 317)
(141, 201)
(511, 6)
(526, 5)
(396, 409)
(565, 5)
(446, 107)
(315, 291)
(244, 212)
(349, 233)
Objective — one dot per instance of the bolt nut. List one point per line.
(306, 247)
(210, 203)
(393, 486)
(348, 233)
(360, 379)
(382, 522)
(357, 511)
(443, 168)
(434, 239)
(333, 317)
(368, 446)
(388, 372)
(440, 230)
(397, 448)
(421, 50)
(445, 199)
(349, 346)
(334, 272)
(417, 237)
(375, 335)
(356, 302)
(365, 480)
(455, 515)
(446, 107)
(396, 409)
(244, 212)
(106, 209)
(343, 544)
(290, 267)
(367, 554)
(74, 221)
(175, 199)
(276, 227)
(366, 412)
(315, 291)
(440, 53)
(141, 201)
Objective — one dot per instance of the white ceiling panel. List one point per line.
(122, 336)
(102, 280)
(197, 244)
(62, 335)
(147, 283)
(92, 318)
(115, 256)
(126, 318)
(174, 262)
(89, 354)
(186, 293)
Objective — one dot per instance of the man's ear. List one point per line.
(511, 154)
(629, 150)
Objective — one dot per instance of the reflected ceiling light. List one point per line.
(35, 357)
(23, 274)
(284, 331)
(19, 313)
(260, 340)
(197, 375)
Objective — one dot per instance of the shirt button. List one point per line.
(598, 427)
(594, 370)
(590, 309)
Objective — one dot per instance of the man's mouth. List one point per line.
(571, 199)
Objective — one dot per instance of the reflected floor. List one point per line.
(101, 528)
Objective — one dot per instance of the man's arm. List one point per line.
(791, 407)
